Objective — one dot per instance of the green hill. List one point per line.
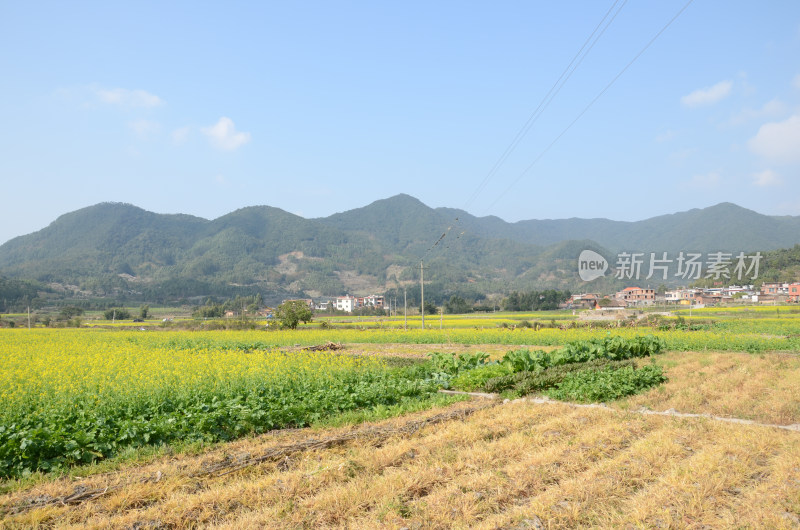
(724, 227)
(121, 251)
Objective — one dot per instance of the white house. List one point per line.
(345, 303)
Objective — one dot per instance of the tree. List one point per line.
(457, 305)
(118, 313)
(535, 300)
(210, 310)
(144, 311)
(290, 313)
(70, 311)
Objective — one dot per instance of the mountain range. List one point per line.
(114, 249)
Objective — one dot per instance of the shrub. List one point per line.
(117, 313)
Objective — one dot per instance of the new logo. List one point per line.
(591, 265)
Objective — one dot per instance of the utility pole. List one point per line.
(422, 291)
(441, 316)
(405, 311)
(29, 317)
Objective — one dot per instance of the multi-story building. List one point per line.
(350, 303)
(637, 296)
(774, 288)
(672, 297)
(794, 292)
(346, 303)
(374, 300)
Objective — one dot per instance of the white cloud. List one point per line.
(707, 181)
(766, 178)
(180, 135)
(774, 107)
(128, 98)
(223, 135)
(778, 141)
(709, 95)
(144, 128)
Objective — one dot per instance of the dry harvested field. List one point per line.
(513, 465)
(480, 464)
(761, 387)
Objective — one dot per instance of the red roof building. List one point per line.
(637, 296)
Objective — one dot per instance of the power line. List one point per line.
(573, 65)
(592, 102)
(566, 74)
(576, 61)
(441, 238)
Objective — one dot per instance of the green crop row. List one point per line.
(527, 382)
(587, 370)
(87, 397)
(607, 384)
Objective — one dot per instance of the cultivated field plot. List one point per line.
(75, 396)
(514, 465)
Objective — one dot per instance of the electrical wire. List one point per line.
(587, 107)
(573, 65)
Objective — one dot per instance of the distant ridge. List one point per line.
(113, 248)
(723, 227)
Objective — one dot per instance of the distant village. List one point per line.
(770, 293)
(346, 303)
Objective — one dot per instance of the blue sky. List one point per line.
(321, 107)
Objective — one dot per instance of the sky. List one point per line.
(321, 107)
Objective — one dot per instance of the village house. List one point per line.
(711, 298)
(584, 301)
(775, 288)
(374, 300)
(636, 296)
(345, 303)
(350, 303)
(736, 289)
(794, 292)
(672, 297)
